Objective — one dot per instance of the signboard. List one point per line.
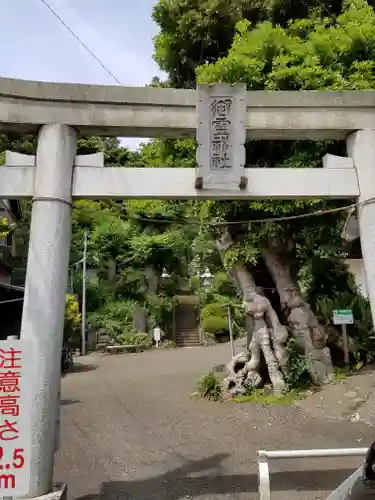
(343, 317)
(16, 363)
(221, 135)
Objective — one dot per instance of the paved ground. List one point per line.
(130, 431)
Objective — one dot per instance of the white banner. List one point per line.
(16, 377)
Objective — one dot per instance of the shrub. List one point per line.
(72, 320)
(168, 344)
(116, 319)
(214, 309)
(222, 285)
(298, 376)
(209, 387)
(160, 309)
(215, 325)
(362, 331)
(135, 338)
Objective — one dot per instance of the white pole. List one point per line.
(45, 291)
(230, 330)
(84, 274)
(71, 279)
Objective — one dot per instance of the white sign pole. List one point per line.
(345, 344)
(230, 330)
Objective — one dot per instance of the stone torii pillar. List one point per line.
(361, 148)
(46, 284)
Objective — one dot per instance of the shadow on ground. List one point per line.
(80, 367)
(179, 483)
(67, 402)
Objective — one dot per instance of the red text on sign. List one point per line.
(10, 381)
(9, 405)
(8, 431)
(10, 358)
(7, 481)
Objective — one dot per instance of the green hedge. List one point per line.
(215, 325)
(215, 309)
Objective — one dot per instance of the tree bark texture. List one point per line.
(269, 335)
(310, 336)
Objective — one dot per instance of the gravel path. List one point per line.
(130, 431)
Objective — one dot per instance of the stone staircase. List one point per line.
(187, 324)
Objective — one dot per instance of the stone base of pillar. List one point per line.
(59, 492)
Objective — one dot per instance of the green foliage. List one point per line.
(362, 331)
(222, 285)
(298, 368)
(214, 309)
(215, 325)
(116, 319)
(264, 398)
(135, 339)
(196, 32)
(160, 309)
(72, 320)
(4, 227)
(209, 387)
(169, 344)
(308, 54)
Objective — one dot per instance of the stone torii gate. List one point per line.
(56, 176)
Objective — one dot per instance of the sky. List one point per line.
(36, 46)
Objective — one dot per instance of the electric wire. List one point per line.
(81, 42)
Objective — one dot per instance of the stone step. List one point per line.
(194, 331)
(187, 344)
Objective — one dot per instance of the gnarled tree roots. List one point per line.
(241, 377)
(244, 367)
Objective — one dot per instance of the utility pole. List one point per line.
(84, 275)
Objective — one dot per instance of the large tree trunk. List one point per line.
(269, 335)
(310, 336)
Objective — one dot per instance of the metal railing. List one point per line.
(265, 456)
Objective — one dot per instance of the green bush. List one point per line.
(209, 387)
(160, 309)
(169, 344)
(215, 325)
(72, 321)
(298, 373)
(214, 309)
(116, 319)
(222, 285)
(135, 338)
(362, 331)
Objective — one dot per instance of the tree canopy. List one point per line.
(196, 32)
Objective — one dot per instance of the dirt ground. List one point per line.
(131, 431)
